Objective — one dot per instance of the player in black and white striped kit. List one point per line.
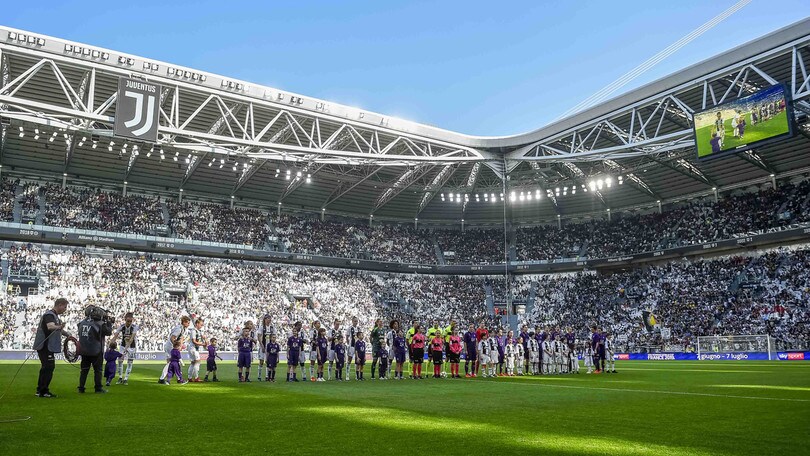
(265, 330)
(354, 329)
(129, 346)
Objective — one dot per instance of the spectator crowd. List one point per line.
(760, 293)
(734, 215)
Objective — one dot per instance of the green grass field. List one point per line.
(772, 127)
(649, 407)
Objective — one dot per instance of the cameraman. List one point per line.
(91, 342)
(48, 341)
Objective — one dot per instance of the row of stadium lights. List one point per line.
(288, 175)
(514, 196)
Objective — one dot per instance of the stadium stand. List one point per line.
(765, 293)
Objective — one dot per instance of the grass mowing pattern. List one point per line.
(737, 408)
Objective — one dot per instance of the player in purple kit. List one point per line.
(272, 350)
(322, 350)
(359, 356)
(596, 343)
(293, 351)
(111, 356)
(471, 351)
(400, 349)
(245, 346)
(211, 362)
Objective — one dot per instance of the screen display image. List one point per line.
(743, 123)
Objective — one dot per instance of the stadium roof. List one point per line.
(236, 139)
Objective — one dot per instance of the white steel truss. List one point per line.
(247, 127)
(662, 123)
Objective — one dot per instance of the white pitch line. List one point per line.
(679, 393)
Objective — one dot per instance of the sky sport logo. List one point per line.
(136, 110)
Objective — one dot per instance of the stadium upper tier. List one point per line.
(735, 215)
(218, 136)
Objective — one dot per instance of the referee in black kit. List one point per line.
(47, 342)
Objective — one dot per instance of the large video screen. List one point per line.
(743, 123)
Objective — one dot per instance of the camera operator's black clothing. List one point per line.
(91, 342)
(97, 362)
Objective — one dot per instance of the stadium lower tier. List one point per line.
(759, 293)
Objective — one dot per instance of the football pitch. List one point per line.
(777, 125)
(649, 407)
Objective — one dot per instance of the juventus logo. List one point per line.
(136, 110)
(139, 110)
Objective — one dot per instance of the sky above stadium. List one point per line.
(475, 67)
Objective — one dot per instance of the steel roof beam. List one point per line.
(403, 182)
(435, 185)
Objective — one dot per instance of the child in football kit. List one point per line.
(509, 358)
(245, 354)
(573, 360)
(340, 357)
(211, 362)
(493, 357)
(436, 347)
(454, 354)
(483, 355)
(520, 356)
(384, 361)
(272, 351)
(293, 352)
(588, 356)
(322, 348)
(418, 351)
(111, 356)
(359, 356)
(548, 356)
(534, 356)
(175, 364)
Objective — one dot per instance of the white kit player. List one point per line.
(548, 356)
(129, 346)
(179, 333)
(263, 333)
(352, 339)
(389, 342)
(610, 351)
(313, 348)
(332, 335)
(534, 355)
(197, 343)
